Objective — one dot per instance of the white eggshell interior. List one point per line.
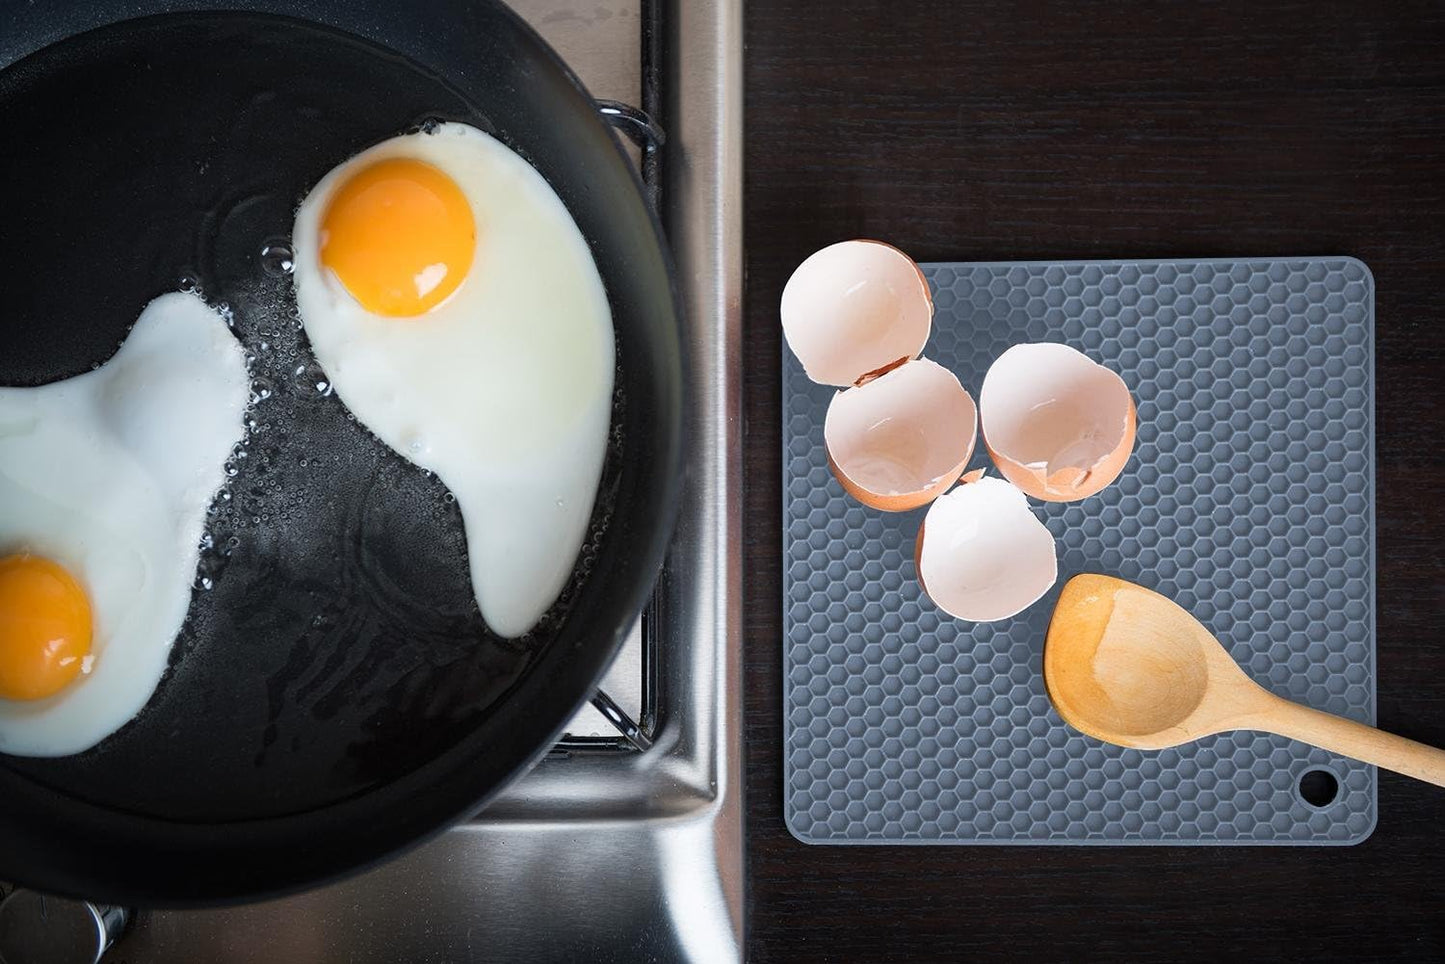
(903, 431)
(985, 556)
(1052, 408)
(854, 308)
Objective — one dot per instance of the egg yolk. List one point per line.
(399, 235)
(45, 627)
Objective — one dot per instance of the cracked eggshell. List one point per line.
(1057, 424)
(900, 440)
(855, 309)
(982, 555)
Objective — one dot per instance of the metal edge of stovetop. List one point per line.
(608, 856)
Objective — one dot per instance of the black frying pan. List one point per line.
(335, 696)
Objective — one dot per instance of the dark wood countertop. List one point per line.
(998, 130)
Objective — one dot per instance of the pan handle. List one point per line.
(38, 928)
(633, 122)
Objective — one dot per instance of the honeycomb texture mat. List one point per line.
(1249, 499)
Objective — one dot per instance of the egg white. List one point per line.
(504, 390)
(109, 474)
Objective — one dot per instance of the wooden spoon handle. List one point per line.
(1351, 739)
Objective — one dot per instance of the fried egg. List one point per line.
(456, 307)
(105, 479)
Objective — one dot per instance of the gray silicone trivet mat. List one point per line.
(1249, 499)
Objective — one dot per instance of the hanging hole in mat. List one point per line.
(1318, 788)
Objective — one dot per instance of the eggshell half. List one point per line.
(982, 555)
(900, 440)
(855, 309)
(1058, 425)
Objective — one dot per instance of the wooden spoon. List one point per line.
(1129, 666)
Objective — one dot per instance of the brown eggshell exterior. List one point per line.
(1056, 489)
(918, 557)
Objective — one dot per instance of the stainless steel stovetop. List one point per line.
(600, 853)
